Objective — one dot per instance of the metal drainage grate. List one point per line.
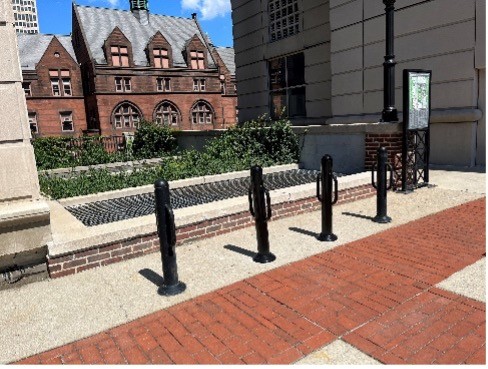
(108, 211)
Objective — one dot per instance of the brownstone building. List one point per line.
(137, 65)
(52, 85)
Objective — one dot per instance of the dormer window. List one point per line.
(197, 59)
(60, 82)
(161, 58)
(120, 56)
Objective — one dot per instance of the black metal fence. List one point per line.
(110, 144)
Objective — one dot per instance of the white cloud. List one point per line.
(111, 3)
(208, 8)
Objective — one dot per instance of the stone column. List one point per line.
(24, 216)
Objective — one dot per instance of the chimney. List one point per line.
(140, 10)
(194, 15)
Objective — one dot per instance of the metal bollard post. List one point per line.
(326, 177)
(381, 166)
(167, 240)
(261, 211)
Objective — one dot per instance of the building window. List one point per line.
(66, 86)
(67, 122)
(197, 59)
(287, 86)
(120, 56)
(27, 88)
(122, 84)
(161, 58)
(202, 113)
(163, 84)
(126, 116)
(198, 85)
(33, 123)
(284, 19)
(60, 82)
(167, 114)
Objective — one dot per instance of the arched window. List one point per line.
(202, 113)
(167, 114)
(126, 115)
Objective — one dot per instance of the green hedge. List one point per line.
(61, 152)
(260, 142)
(152, 140)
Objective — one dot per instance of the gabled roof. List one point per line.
(32, 47)
(98, 23)
(227, 55)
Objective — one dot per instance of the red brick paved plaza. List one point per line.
(378, 294)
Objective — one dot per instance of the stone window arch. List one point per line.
(126, 115)
(202, 113)
(167, 113)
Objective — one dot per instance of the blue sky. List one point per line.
(213, 15)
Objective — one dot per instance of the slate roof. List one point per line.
(227, 55)
(33, 46)
(97, 24)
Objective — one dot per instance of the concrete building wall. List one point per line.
(24, 216)
(344, 46)
(480, 64)
(439, 35)
(25, 16)
(253, 51)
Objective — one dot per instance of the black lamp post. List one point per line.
(389, 113)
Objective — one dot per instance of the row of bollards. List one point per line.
(260, 209)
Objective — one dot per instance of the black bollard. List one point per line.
(261, 211)
(326, 177)
(165, 222)
(381, 186)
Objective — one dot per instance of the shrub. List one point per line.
(65, 152)
(258, 142)
(262, 142)
(53, 152)
(152, 140)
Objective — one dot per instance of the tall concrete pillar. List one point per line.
(24, 216)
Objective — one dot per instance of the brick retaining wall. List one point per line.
(393, 143)
(102, 255)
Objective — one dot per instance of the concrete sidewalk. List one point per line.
(49, 314)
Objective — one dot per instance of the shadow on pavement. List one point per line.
(240, 250)
(358, 215)
(304, 231)
(152, 276)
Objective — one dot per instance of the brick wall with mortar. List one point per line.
(48, 107)
(393, 144)
(102, 255)
(101, 97)
(223, 107)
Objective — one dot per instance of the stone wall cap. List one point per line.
(13, 211)
(80, 238)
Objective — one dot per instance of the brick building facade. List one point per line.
(120, 67)
(52, 85)
(137, 65)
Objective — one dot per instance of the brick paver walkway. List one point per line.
(377, 294)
